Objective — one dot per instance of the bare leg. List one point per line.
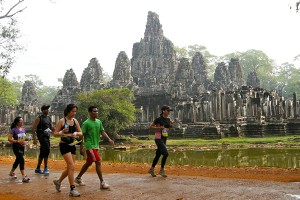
(70, 159)
(83, 169)
(98, 170)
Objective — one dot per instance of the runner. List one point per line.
(68, 129)
(91, 129)
(42, 129)
(17, 137)
(161, 126)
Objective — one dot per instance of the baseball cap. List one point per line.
(166, 108)
(45, 107)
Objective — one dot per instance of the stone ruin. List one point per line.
(227, 106)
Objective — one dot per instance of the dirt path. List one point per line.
(130, 181)
(256, 173)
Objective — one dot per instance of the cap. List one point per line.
(166, 108)
(45, 107)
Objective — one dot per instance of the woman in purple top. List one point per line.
(17, 137)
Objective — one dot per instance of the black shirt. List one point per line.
(161, 121)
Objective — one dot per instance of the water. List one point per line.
(262, 157)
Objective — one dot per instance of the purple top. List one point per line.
(18, 135)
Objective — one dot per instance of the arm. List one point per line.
(78, 132)
(58, 132)
(156, 127)
(11, 139)
(34, 127)
(104, 134)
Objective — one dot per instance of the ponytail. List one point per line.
(16, 121)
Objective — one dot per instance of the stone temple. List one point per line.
(229, 105)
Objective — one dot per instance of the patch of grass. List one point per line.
(53, 140)
(237, 141)
(291, 140)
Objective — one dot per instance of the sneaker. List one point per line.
(26, 179)
(46, 171)
(104, 185)
(151, 171)
(38, 171)
(13, 175)
(79, 181)
(74, 193)
(57, 185)
(162, 173)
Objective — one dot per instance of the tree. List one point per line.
(45, 93)
(106, 78)
(254, 61)
(287, 80)
(190, 51)
(9, 34)
(17, 84)
(116, 109)
(35, 79)
(7, 96)
(181, 52)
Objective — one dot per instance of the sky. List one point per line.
(64, 34)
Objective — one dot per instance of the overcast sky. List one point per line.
(68, 33)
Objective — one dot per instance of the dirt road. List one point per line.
(129, 181)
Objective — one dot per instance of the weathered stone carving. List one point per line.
(66, 95)
(92, 76)
(200, 74)
(253, 80)
(122, 74)
(153, 60)
(29, 96)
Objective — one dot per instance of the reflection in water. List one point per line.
(282, 158)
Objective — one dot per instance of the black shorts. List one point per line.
(65, 148)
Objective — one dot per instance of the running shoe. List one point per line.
(38, 171)
(57, 185)
(151, 171)
(104, 185)
(46, 171)
(162, 173)
(26, 179)
(79, 181)
(74, 193)
(13, 175)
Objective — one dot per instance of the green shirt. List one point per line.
(91, 133)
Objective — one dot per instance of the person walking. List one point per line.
(161, 126)
(68, 129)
(17, 137)
(91, 129)
(41, 130)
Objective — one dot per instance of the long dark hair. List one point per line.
(16, 121)
(69, 108)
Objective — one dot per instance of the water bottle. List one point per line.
(66, 125)
(48, 132)
(29, 137)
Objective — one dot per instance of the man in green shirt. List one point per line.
(91, 129)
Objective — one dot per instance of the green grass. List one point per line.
(53, 140)
(291, 140)
(288, 141)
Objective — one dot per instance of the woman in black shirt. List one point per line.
(161, 126)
